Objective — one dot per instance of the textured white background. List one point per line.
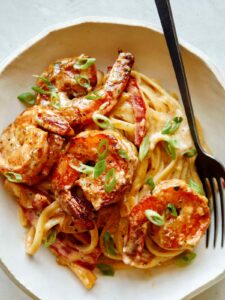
(200, 22)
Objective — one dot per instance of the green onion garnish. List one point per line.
(151, 183)
(154, 217)
(84, 63)
(39, 90)
(123, 154)
(94, 95)
(106, 269)
(185, 259)
(103, 106)
(190, 153)
(50, 238)
(27, 98)
(99, 168)
(55, 100)
(85, 169)
(144, 148)
(103, 149)
(110, 180)
(109, 243)
(170, 147)
(44, 79)
(102, 121)
(83, 81)
(13, 177)
(172, 125)
(172, 209)
(195, 187)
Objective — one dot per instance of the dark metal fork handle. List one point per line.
(167, 22)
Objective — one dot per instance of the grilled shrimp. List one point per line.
(32, 143)
(181, 230)
(66, 78)
(120, 158)
(79, 111)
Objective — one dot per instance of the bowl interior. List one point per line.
(40, 274)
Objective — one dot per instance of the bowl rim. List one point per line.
(118, 21)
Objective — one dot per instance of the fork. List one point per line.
(211, 172)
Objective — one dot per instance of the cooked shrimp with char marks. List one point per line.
(111, 152)
(31, 145)
(178, 229)
(79, 111)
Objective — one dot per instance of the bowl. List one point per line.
(40, 276)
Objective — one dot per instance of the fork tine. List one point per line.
(215, 210)
(205, 187)
(222, 209)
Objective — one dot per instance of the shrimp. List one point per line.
(31, 145)
(79, 111)
(83, 148)
(62, 74)
(181, 232)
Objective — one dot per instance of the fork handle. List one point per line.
(166, 17)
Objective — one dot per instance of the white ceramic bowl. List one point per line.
(101, 37)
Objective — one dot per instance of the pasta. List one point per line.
(107, 197)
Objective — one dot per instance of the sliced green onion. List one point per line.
(195, 187)
(123, 154)
(103, 106)
(190, 153)
(144, 148)
(172, 125)
(94, 95)
(83, 81)
(172, 209)
(106, 269)
(44, 79)
(109, 243)
(151, 183)
(85, 169)
(55, 100)
(154, 217)
(102, 121)
(99, 168)
(103, 149)
(170, 147)
(39, 90)
(13, 177)
(84, 63)
(27, 98)
(185, 259)
(50, 238)
(110, 180)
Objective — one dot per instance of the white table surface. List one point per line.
(200, 22)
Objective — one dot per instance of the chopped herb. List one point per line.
(190, 153)
(13, 177)
(151, 183)
(27, 98)
(83, 81)
(170, 147)
(172, 209)
(123, 154)
(85, 169)
(94, 95)
(106, 269)
(39, 90)
(154, 217)
(99, 168)
(83, 63)
(55, 100)
(103, 106)
(102, 121)
(110, 180)
(185, 259)
(109, 243)
(103, 149)
(144, 148)
(195, 187)
(172, 125)
(50, 238)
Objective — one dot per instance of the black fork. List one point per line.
(211, 171)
